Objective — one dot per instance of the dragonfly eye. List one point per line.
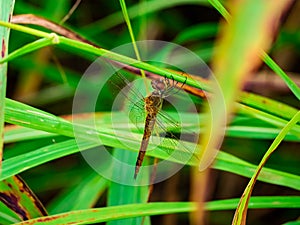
(158, 85)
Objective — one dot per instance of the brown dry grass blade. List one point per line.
(36, 20)
(18, 197)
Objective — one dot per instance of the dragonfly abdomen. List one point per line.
(152, 106)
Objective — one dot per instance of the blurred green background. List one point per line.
(48, 77)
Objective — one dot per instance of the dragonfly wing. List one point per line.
(180, 143)
(136, 114)
(131, 96)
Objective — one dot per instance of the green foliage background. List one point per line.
(42, 150)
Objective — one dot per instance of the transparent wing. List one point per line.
(130, 98)
(137, 114)
(180, 142)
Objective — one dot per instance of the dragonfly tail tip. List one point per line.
(136, 171)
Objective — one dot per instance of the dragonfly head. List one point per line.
(159, 86)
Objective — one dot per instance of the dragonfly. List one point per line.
(151, 105)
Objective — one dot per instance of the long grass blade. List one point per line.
(6, 11)
(241, 211)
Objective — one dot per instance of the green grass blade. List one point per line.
(292, 223)
(289, 82)
(6, 11)
(83, 196)
(98, 215)
(224, 161)
(43, 42)
(128, 23)
(268, 105)
(245, 129)
(269, 118)
(113, 213)
(120, 194)
(220, 8)
(7, 216)
(232, 164)
(28, 160)
(241, 211)
(27, 116)
(257, 202)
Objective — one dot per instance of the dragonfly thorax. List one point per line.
(153, 104)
